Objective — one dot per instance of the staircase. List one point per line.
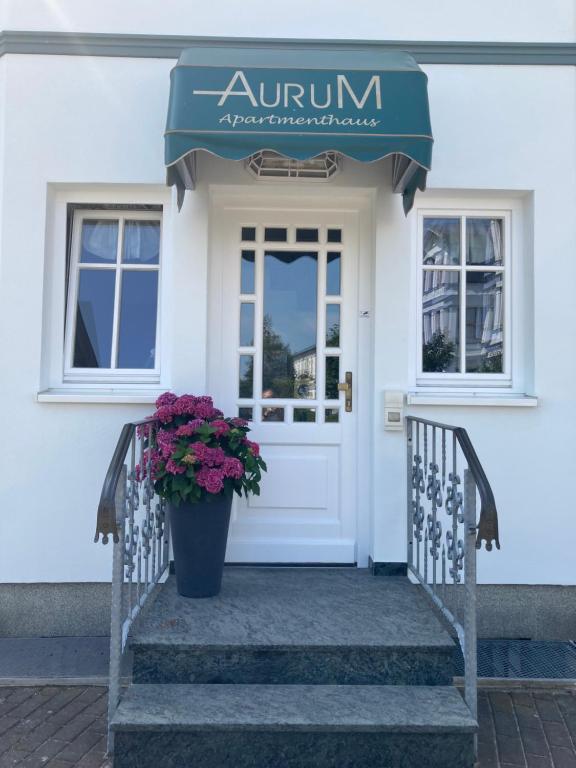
(293, 668)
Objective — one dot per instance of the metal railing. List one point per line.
(136, 518)
(444, 479)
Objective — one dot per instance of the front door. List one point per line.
(283, 314)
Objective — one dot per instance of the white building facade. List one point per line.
(265, 292)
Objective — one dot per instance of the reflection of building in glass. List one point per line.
(484, 322)
(441, 321)
(305, 373)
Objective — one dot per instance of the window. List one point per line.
(464, 298)
(112, 299)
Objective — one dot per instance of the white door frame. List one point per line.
(321, 198)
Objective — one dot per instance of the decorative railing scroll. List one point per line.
(137, 520)
(444, 479)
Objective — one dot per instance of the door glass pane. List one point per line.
(247, 272)
(441, 241)
(246, 324)
(484, 244)
(249, 234)
(306, 235)
(137, 328)
(245, 413)
(289, 328)
(304, 414)
(441, 321)
(275, 234)
(484, 322)
(246, 382)
(141, 242)
(334, 236)
(332, 325)
(331, 415)
(99, 241)
(94, 318)
(333, 274)
(332, 377)
(273, 414)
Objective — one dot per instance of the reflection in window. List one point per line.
(484, 241)
(332, 325)
(304, 414)
(246, 324)
(331, 415)
(245, 412)
(333, 274)
(441, 244)
(441, 321)
(137, 331)
(272, 413)
(332, 377)
(246, 378)
(289, 327)
(484, 322)
(141, 242)
(94, 318)
(247, 275)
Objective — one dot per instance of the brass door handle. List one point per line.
(346, 387)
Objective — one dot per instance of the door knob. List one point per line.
(346, 387)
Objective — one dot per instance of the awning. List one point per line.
(299, 102)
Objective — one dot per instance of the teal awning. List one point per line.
(299, 102)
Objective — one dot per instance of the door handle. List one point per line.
(346, 387)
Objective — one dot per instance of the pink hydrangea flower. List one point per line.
(232, 468)
(210, 479)
(237, 422)
(185, 404)
(173, 468)
(187, 430)
(254, 448)
(210, 457)
(168, 398)
(165, 414)
(221, 427)
(165, 442)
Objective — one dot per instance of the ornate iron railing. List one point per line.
(444, 478)
(136, 518)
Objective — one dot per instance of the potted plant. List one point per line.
(198, 459)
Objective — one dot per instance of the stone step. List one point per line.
(295, 625)
(293, 726)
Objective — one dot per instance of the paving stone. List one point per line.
(510, 750)
(47, 750)
(527, 717)
(79, 746)
(505, 723)
(537, 761)
(501, 702)
(563, 757)
(547, 708)
(535, 742)
(74, 728)
(557, 734)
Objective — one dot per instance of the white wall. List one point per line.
(494, 20)
(94, 127)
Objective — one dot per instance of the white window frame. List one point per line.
(510, 379)
(108, 375)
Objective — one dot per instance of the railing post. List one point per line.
(470, 660)
(116, 608)
(409, 508)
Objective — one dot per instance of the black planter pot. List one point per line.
(199, 536)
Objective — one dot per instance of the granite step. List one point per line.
(295, 626)
(293, 726)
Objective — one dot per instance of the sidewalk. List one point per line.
(65, 726)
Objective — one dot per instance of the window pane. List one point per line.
(333, 274)
(275, 234)
(273, 414)
(331, 415)
(289, 329)
(332, 325)
(246, 382)
(484, 243)
(137, 329)
(334, 236)
(306, 235)
(332, 377)
(99, 241)
(245, 413)
(141, 242)
(247, 272)
(484, 322)
(304, 414)
(249, 234)
(94, 318)
(246, 325)
(441, 321)
(441, 241)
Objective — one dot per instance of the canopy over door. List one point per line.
(299, 102)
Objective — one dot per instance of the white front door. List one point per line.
(283, 335)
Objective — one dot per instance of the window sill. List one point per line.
(120, 396)
(505, 400)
